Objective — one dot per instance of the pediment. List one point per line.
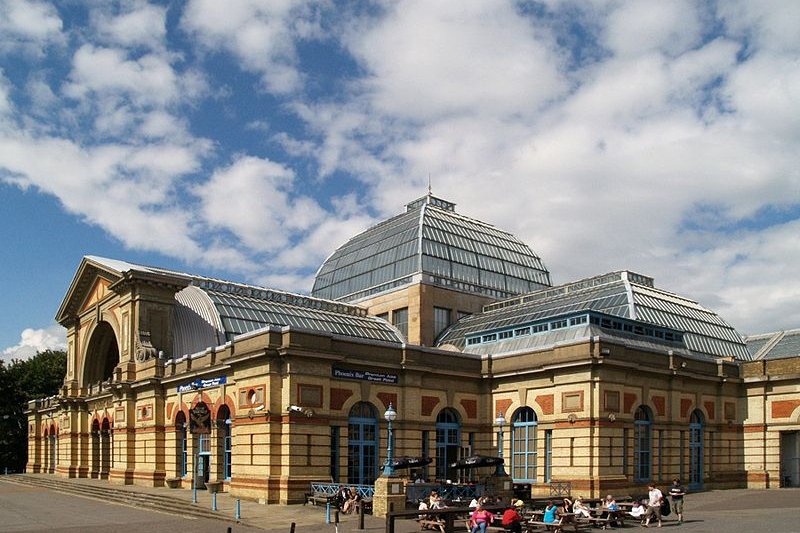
(90, 285)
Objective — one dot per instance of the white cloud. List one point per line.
(33, 341)
(28, 25)
(141, 25)
(261, 35)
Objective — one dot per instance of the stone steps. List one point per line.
(146, 500)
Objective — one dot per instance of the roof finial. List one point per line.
(430, 192)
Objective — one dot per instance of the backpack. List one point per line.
(665, 507)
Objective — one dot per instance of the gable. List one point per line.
(97, 293)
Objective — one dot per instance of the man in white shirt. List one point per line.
(653, 505)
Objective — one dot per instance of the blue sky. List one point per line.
(248, 139)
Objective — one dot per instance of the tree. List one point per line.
(21, 381)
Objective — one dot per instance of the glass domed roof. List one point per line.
(431, 241)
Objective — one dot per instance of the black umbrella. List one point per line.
(411, 462)
(477, 461)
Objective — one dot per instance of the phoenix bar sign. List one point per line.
(364, 375)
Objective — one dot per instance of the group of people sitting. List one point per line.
(568, 509)
(347, 499)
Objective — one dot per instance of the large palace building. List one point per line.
(609, 382)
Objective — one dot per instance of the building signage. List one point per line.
(363, 375)
(203, 384)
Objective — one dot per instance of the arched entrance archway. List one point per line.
(53, 448)
(448, 443)
(106, 448)
(181, 449)
(224, 443)
(696, 450)
(102, 355)
(643, 442)
(95, 442)
(362, 444)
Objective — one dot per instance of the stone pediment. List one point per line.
(89, 286)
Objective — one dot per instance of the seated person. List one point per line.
(423, 507)
(480, 519)
(580, 510)
(564, 512)
(638, 510)
(512, 520)
(435, 501)
(341, 496)
(549, 513)
(352, 499)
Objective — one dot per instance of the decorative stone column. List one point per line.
(390, 494)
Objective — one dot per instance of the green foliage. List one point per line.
(21, 381)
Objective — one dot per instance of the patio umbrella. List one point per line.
(411, 462)
(477, 461)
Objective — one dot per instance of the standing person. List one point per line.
(677, 492)
(512, 520)
(653, 505)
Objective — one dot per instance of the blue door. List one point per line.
(696, 450)
(448, 443)
(362, 444)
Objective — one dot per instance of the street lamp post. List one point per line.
(500, 421)
(390, 415)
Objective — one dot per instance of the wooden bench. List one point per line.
(535, 525)
(430, 523)
(318, 498)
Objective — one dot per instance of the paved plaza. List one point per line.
(35, 509)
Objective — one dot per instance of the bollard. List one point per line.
(336, 521)
(194, 491)
(360, 515)
(328, 513)
(213, 501)
(238, 515)
(230, 529)
(291, 528)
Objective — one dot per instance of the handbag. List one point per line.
(665, 507)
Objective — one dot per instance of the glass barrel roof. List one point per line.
(209, 312)
(623, 294)
(431, 238)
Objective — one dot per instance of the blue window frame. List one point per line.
(448, 443)
(362, 444)
(696, 450)
(643, 442)
(523, 445)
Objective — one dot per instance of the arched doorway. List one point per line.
(53, 449)
(523, 445)
(95, 443)
(643, 442)
(362, 444)
(181, 450)
(448, 443)
(46, 454)
(106, 448)
(102, 355)
(224, 443)
(696, 450)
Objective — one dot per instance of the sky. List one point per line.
(248, 139)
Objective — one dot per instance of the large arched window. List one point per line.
(696, 450)
(448, 443)
(642, 453)
(362, 444)
(523, 445)
(102, 355)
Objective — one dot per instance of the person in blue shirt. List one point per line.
(550, 513)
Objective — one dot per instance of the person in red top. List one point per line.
(512, 520)
(480, 519)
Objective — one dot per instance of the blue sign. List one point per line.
(363, 375)
(203, 384)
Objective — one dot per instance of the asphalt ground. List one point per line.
(34, 509)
